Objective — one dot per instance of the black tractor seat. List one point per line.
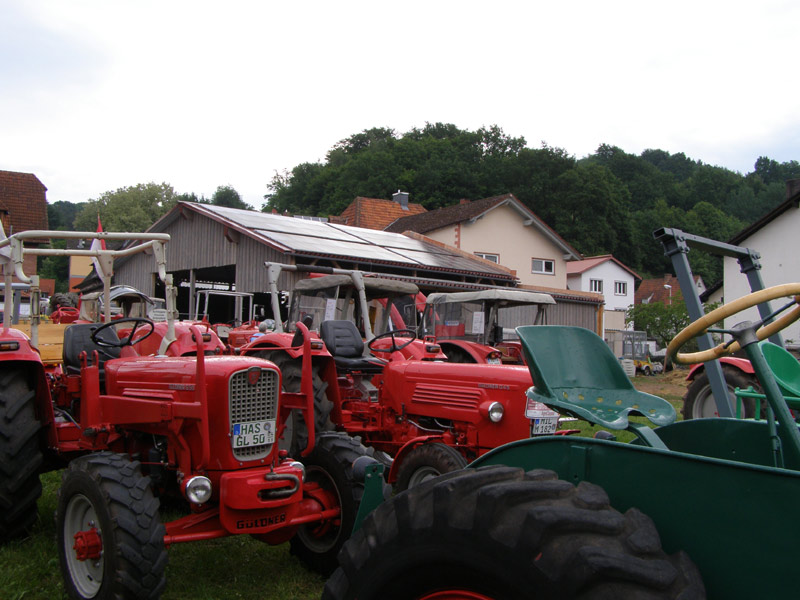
(77, 339)
(347, 348)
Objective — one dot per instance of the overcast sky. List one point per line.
(101, 94)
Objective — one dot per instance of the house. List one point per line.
(664, 290)
(608, 276)
(772, 236)
(376, 213)
(500, 230)
(23, 207)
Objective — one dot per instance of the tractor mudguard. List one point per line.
(741, 364)
(405, 449)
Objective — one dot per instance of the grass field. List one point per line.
(237, 567)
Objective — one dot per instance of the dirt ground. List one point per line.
(670, 386)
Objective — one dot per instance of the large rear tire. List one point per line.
(295, 436)
(502, 534)
(699, 403)
(110, 537)
(426, 462)
(20, 454)
(331, 466)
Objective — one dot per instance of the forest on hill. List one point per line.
(609, 202)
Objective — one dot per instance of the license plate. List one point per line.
(494, 361)
(253, 433)
(544, 426)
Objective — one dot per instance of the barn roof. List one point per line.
(310, 240)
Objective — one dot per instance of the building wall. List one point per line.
(616, 305)
(780, 263)
(198, 243)
(501, 231)
(609, 273)
(79, 268)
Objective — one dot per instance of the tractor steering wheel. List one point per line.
(699, 327)
(394, 347)
(128, 341)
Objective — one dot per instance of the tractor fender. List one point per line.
(283, 341)
(741, 364)
(405, 449)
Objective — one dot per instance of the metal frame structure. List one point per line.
(677, 244)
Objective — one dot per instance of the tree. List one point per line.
(61, 215)
(229, 197)
(588, 210)
(133, 208)
(660, 321)
(55, 267)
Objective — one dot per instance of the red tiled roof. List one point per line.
(579, 266)
(22, 198)
(374, 213)
(654, 290)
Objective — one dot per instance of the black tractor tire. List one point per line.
(456, 354)
(107, 491)
(295, 436)
(698, 402)
(20, 454)
(58, 300)
(332, 465)
(427, 461)
(503, 534)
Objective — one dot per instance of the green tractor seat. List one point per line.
(786, 369)
(575, 372)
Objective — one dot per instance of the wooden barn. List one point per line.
(225, 249)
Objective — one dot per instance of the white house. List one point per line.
(608, 276)
(773, 237)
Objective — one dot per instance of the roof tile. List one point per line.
(22, 196)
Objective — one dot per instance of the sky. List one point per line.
(97, 95)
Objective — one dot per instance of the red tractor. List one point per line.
(396, 392)
(478, 326)
(139, 411)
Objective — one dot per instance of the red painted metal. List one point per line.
(88, 544)
(741, 364)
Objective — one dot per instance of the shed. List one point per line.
(227, 247)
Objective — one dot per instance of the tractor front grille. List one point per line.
(253, 402)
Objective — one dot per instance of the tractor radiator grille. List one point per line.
(253, 402)
(443, 395)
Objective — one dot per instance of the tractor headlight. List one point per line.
(198, 489)
(493, 410)
(298, 465)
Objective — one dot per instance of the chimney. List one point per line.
(401, 198)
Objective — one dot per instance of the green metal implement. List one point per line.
(701, 481)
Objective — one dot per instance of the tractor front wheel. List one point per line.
(331, 477)
(699, 403)
(500, 533)
(426, 462)
(110, 537)
(20, 454)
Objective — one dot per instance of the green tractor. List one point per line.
(688, 509)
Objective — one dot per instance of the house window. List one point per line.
(596, 285)
(620, 288)
(544, 266)
(495, 258)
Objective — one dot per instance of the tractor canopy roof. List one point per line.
(374, 287)
(503, 297)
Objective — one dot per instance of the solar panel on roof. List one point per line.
(303, 236)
